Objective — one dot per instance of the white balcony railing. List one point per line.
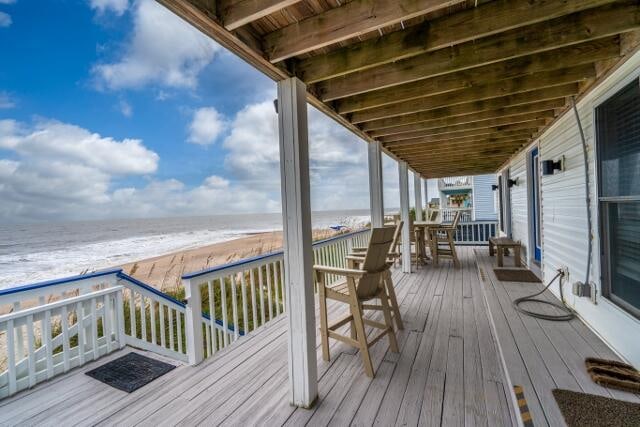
(454, 182)
(447, 214)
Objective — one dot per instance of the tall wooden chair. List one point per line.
(357, 256)
(442, 243)
(359, 287)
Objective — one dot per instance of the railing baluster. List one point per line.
(18, 334)
(270, 299)
(207, 338)
(94, 329)
(212, 316)
(260, 282)
(65, 335)
(132, 313)
(223, 302)
(171, 330)
(245, 303)
(107, 321)
(31, 355)
(120, 318)
(277, 287)
(46, 330)
(234, 307)
(179, 328)
(11, 357)
(143, 317)
(163, 337)
(152, 308)
(254, 308)
(282, 287)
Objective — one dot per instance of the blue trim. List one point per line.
(535, 180)
(23, 288)
(259, 257)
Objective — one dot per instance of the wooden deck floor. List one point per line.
(541, 355)
(449, 370)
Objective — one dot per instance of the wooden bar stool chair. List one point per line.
(356, 258)
(358, 287)
(442, 243)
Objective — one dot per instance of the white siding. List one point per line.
(483, 202)
(519, 207)
(564, 217)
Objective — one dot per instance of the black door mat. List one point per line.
(587, 410)
(613, 374)
(515, 275)
(130, 372)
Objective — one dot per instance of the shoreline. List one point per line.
(164, 272)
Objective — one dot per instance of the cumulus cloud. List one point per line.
(6, 101)
(116, 6)
(5, 20)
(163, 50)
(206, 126)
(339, 175)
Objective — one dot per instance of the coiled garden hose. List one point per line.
(532, 298)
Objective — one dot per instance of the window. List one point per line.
(618, 132)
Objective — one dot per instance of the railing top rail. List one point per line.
(39, 285)
(151, 289)
(58, 304)
(262, 257)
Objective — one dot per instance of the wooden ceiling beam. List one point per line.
(515, 134)
(344, 22)
(236, 13)
(430, 174)
(457, 114)
(501, 47)
(469, 148)
(464, 121)
(461, 160)
(545, 66)
(527, 89)
(482, 21)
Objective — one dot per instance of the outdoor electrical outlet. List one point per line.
(565, 273)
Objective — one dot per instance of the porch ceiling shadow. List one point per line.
(452, 87)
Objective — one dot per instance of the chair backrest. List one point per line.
(456, 219)
(434, 216)
(375, 261)
(396, 238)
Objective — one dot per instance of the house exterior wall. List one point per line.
(564, 218)
(483, 202)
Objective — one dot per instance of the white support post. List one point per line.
(426, 196)
(404, 215)
(193, 322)
(417, 185)
(298, 252)
(376, 196)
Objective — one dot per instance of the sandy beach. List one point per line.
(164, 272)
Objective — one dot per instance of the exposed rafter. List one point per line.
(236, 13)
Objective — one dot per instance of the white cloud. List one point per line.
(206, 126)
(5, 20)
(163, 50)
(6, 101)
(125, 108)
(116, 6)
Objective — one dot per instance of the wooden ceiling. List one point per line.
(453, 87)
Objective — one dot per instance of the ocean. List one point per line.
(35, 252)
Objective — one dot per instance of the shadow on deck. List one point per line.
(449, 370)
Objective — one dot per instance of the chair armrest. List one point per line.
(359, 249)
(338, 271)
(355, 257)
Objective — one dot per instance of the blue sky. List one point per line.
(117, 108)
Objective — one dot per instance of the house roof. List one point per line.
(453, 87)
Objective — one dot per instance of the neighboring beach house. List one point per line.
(446, 88)
(472, 196)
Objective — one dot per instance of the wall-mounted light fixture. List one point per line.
(549, 167)
(512, 182)
(275, 105)
(494, 187)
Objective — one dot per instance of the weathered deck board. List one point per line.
(448, 372)
(541, 355)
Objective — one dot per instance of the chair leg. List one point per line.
(393, 342)
(352, 330)
(452, 247)
(356, 312)
(391, 292)
(324, 323)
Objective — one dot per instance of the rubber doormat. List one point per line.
(527, 421)
(588, 410)
(512, 275)
(130, 372)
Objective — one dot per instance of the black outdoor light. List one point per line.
(494, 187)
(549, 167)
(512, 182)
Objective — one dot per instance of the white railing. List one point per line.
(447, 214)
(476, 233)
(238, 298)
(47, 340)
(455, 181)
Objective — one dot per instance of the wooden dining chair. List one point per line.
(442, 241)
(357, 257)
(359, 286)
